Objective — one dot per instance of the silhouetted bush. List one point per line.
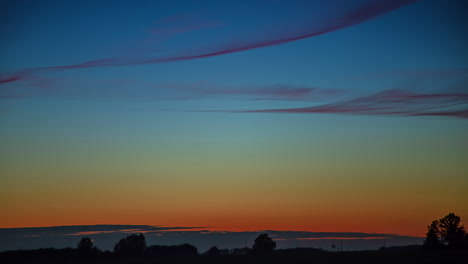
(131, 245)
(85, 246)
(213, 251)
(263, 245)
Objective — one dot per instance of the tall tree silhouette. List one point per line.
(451, 231)
(131, 245)
(263, 244)
(448, 229)
(432, 235)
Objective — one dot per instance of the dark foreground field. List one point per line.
(360, 257)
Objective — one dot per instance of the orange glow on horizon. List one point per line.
(417, 229)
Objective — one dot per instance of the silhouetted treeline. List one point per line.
(445, 243)
(165, 251)
(171, 254)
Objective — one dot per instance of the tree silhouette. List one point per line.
(451, 231)
(432, 235)
(131, 245)
(448, 229)
(213, 251)
(85, 246)
(263, 244)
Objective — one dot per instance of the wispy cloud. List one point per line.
(276, 92)
(414, 74)
(258, 92)
(389, 102)
(39, 86)
(355, 15)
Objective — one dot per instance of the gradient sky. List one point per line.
(340, 116)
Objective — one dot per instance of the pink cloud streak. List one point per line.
(361, 14)
(390, 102)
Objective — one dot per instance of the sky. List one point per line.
(319, 116)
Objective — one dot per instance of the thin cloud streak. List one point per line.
(267, 92)
(413, 74)
(359, 15)
(83, 88)
(389, 102)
